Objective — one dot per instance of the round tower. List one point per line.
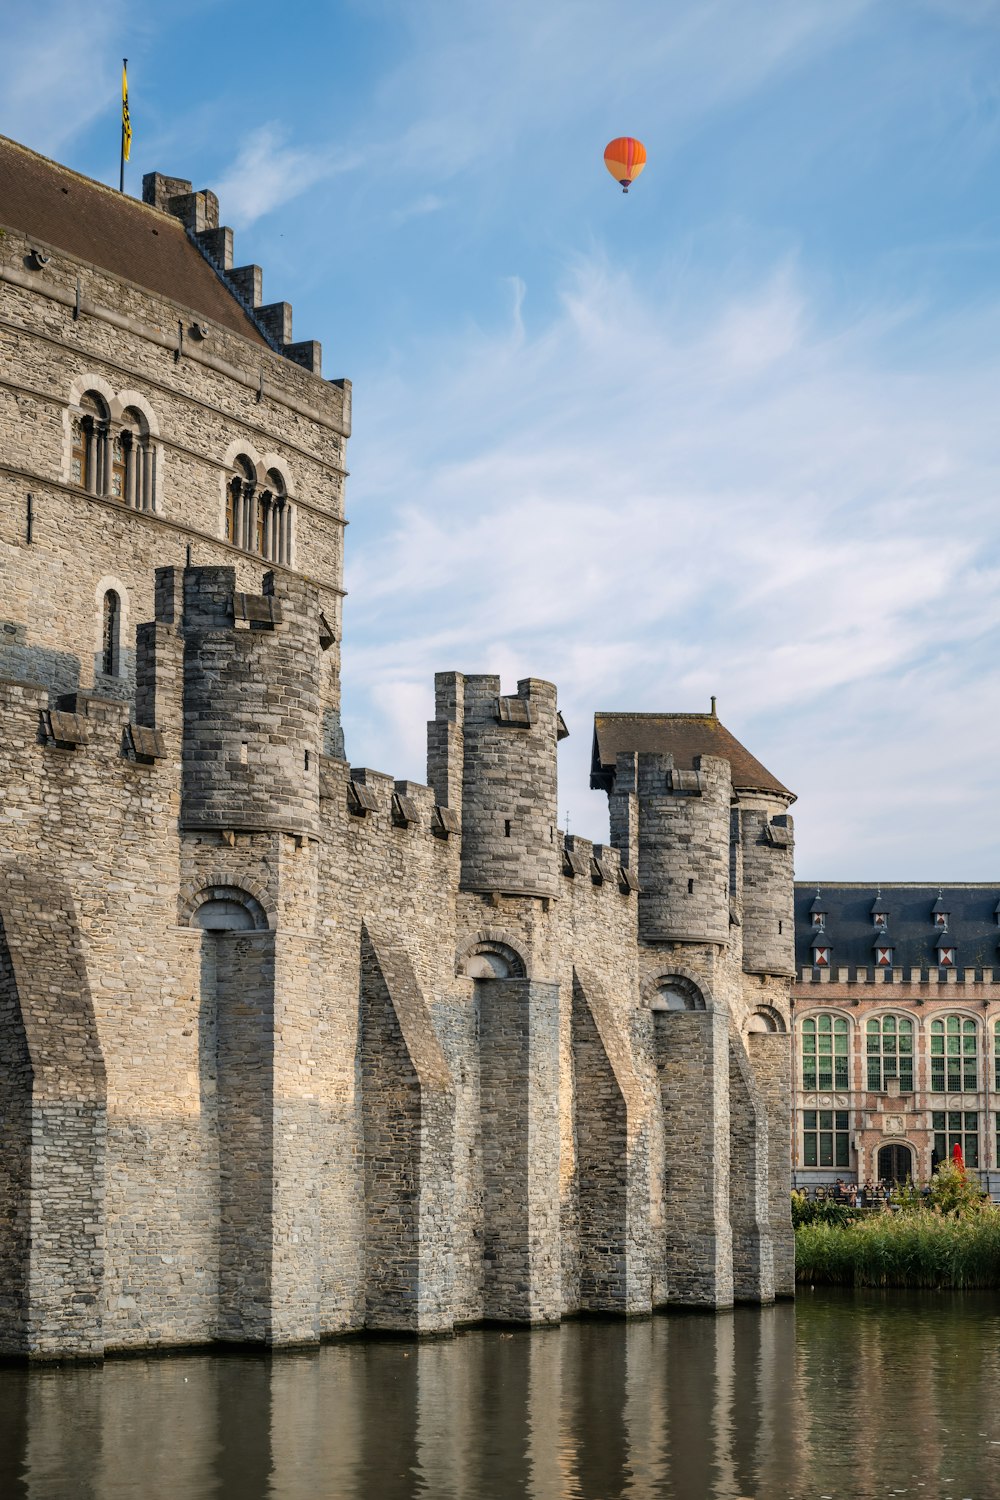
(509, 791)
(767, 845)
(252, 719)
(683, 849)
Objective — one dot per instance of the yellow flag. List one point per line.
(126, 122)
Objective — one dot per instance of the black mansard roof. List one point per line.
(972, 923)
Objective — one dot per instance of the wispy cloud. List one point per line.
(652, 504)
(428, 203)
(268, 171)
(58, 70)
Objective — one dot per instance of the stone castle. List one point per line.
(290, 1048)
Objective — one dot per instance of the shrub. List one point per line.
(922, 1248)
(823, 1211)
(953, 1191)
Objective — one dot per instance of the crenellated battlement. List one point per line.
(199, 213)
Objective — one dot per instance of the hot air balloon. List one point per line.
(625, 159)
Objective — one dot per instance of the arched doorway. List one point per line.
(895, 1163)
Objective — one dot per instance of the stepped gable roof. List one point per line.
(973, 928)
(681, 735)
(120, 234)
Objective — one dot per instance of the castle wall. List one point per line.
(519, 1061)
(692, 1048)
(217, 398)
(749, 1200)
(328, 1051)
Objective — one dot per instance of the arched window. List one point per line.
(132, 462)
(273, 522)
(79, 454)
(121, 449)
(111, 634)
(240, 512)
(889, 1049)
(89, 445)
(824, 1053)
(954, 1056)
(996, 1058)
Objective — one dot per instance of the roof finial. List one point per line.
(714, 714)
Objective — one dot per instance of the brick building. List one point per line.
(896, 1006)
(289, 1047)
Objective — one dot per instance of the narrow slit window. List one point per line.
(110, 634)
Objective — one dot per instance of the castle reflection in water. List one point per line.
(842, 1394)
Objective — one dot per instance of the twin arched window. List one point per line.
(258, 516)
(109, 458)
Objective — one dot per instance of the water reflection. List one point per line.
(846, 1395)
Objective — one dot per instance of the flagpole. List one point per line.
(121, 176)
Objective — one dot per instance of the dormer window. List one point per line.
(880, 911)
(818, 911)
(883, 950)
(821, 950)
(946, 950)
(940, 912)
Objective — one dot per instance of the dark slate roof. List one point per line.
(105, 228)
(972, 923)
(681, 735)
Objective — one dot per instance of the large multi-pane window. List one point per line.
(996, 1059)
(826, 1140)
(953, 1055)
(889, 1052)
(824, 1053)
(956, 1127)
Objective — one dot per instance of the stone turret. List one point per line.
(252, 721)
(683, 846)
(508, 793)
(767, 842)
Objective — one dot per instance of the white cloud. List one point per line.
(649, 503)
(427, 203)
(269, 172)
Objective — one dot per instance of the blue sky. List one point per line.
(736, 433)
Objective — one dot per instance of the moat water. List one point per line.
(846, 1395)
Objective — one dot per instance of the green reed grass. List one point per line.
(922, 1248)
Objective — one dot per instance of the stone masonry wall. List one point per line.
(771, 1061)
(253, 1085)
(203, 407)
(519, 1061)
(693, 1059)
(753, 1255)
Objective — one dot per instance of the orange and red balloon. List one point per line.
(625, 159)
